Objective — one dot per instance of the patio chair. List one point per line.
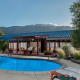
(35, 50)
(72, 72)
(29, 49)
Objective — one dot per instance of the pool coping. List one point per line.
(33, 72)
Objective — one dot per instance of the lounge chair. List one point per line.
(35, 50)
(72, 72)
(30, 48)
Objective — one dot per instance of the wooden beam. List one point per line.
(59, 43)
(32, 37)
(60, 38)
(54, 45)
(13, 45)
(45, 45)
(8, 46)
(49, 45)
(38, 47)
(17, 47)
(29, 38)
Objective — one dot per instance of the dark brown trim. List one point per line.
(17, 46)
(49, 45)
(38, 47)
(32, 37)
(60, 38)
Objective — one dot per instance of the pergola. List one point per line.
(31, 37)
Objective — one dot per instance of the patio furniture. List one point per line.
(35, 50)
(30, 52)
(58, 76)
(30, 49)
(10, 51)
(25, 52)
(72, 72)
(66, 78)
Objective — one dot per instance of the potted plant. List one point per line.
(46, 52)
(51, 52)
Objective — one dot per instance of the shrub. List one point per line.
(76, 55)
(66, 49)
(61, 52)
(48, 52)
(71, 50)
(3, 45)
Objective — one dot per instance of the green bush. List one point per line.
(66, 49)
(3, 45)
(76, 56)
(48, 52)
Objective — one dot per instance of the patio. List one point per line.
(17, 75)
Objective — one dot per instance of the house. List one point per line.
(40, 40)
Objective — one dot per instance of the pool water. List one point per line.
(27, 64)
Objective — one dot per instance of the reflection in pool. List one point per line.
(27, 65)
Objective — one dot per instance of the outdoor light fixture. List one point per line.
(32, 39)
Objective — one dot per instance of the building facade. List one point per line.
(39, 41)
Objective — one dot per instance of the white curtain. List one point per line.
(10, 45)
(51, 44)
(47, 44)
(57, 44)
(15, 45)
(23, 44)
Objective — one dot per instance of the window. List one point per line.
(23, 44)
(65, 43)
(69, 44)
(10, 45)
(62, 44)
(57, 44)
(15, 45)
(51, 44)
(47, 44)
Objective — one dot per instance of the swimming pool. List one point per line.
(27, 64)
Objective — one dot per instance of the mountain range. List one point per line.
(33, 28)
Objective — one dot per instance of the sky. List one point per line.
(30, 12)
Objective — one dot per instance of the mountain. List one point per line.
(33, 28)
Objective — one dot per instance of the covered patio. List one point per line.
(37, 38)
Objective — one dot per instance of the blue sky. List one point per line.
(27, 12)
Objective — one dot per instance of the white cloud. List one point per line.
(54, 24)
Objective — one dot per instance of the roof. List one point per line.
(32, 37)
(53, 34)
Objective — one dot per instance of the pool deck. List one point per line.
(21, 75)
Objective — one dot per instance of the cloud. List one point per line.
(54, 24)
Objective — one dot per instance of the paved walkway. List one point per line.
(20, 75)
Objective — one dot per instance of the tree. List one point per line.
(1, 33)
(75, 10)
(3, 45)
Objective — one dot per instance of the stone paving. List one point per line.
(21, 75)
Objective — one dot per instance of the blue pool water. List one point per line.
(27, 65)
